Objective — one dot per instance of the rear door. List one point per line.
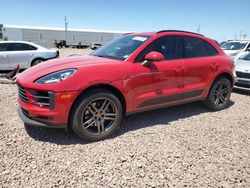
(4, 62)
(20, 54)
(159, 82)
(200, 63)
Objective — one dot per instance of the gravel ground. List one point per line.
(183, 146)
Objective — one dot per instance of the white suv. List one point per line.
(235, 48)
(24, 54)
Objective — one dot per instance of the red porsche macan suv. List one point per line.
(136, 72)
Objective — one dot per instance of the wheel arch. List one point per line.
(36, 58)
(222, 74)
(226, 75)
(108, 87)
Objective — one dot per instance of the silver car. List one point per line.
(235, 48)
(24, 54)
(242, 68)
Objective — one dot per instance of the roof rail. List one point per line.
(128, 33)
(163, 31)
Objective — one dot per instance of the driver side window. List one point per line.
(170, 46)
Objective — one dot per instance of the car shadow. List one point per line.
(130, 123)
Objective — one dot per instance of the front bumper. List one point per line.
(45, 108)
(27, 120)
(242, 84)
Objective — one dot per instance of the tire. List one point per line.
(36, 62)
(96, 115)
(219, 95)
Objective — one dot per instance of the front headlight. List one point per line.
(56, 77)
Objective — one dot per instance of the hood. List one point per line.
(242, 65)
(55, 65)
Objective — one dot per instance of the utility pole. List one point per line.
(240, 34)
(66, 26)
(244, 35)
(198, 29)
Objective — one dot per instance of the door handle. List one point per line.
(5, 55)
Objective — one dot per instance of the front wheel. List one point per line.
(219, 94)
(96, 115)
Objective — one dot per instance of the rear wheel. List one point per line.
(219, 94)
(36, 62)
(96, 115)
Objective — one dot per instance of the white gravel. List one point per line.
(183, 146)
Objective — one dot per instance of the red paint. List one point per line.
(135, 82)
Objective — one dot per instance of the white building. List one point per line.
(46, 36)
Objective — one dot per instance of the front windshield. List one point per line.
(122, 47)
(233, 45)
(246, 57)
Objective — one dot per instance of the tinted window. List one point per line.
(3, 46)
(32, 47)
(169, 46)
(194, 47)
(19, 47)
(210, 49)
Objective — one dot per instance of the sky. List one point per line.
(218, 19)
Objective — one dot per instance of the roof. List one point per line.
(63, 29)
(23, 42)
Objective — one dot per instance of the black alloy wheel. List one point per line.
(219, 95)
(96, 115)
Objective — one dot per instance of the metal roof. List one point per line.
(62, 29)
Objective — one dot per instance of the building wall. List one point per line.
(47, 37)
(72, 37)
(12, 33)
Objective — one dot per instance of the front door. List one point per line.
(157, 83)
(4, 62)
(20, 54)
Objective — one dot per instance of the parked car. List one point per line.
(236, 48)
(95, 46)
(242, 67)
(61, 44)
(134, 73)
(24, 54)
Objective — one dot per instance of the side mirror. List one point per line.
(151, 57)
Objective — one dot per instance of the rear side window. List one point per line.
(170, 46)
(3, 47)
(20, 47)
(198, 48)
(210, 49)
(32, 47)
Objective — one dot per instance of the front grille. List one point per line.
(22, 94)
(242, 74)
(42, 98)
